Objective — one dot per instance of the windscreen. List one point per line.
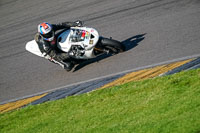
(78, 35)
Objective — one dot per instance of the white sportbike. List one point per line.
(81, 43)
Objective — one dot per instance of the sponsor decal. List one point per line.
(91, 42)
(87, 35)
(83, 34)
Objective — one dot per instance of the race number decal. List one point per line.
(91, 42)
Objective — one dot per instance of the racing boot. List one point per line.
(68, 66)
(65, 65)
(62, 59)
(65, 60)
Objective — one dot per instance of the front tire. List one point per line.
(112, 46)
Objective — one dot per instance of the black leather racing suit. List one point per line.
(49, 48)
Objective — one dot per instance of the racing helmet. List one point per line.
(46, 31)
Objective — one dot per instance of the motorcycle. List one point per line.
(81, 43)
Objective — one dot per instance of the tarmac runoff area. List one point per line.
(102, 83)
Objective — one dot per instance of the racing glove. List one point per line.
(79, 23)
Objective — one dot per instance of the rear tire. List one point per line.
(113, 46)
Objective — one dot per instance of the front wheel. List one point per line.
(111, 46)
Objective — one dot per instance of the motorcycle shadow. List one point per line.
(129, 44)
(134, 41)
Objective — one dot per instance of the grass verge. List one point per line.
(163, 104)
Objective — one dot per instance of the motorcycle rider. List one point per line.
(46, 40)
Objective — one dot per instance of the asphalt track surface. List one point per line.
(153, 30)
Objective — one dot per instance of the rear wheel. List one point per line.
(112, 46)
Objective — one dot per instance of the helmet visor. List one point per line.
(48, 35)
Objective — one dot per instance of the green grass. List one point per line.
(163, 104)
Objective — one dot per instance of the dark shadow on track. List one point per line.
(132, 42)
(129, 44)
(90, 61)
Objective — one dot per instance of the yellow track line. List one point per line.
(14, 105)
(146, 73)
(134, 76)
